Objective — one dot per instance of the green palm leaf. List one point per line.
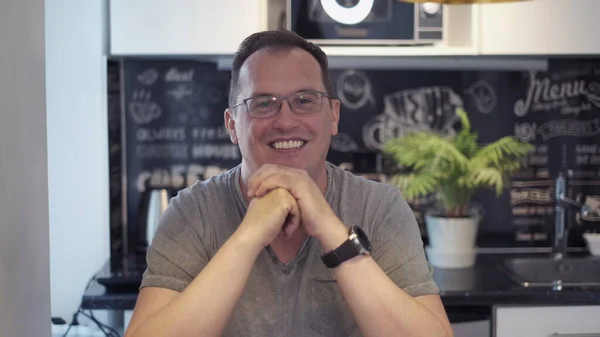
(454, 167)
(415, 185)
(488, 177)
(422, 149)
(495, 153)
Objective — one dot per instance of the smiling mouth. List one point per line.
(288, 144)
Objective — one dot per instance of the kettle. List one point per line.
(153, 204)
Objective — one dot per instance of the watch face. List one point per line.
(362, 237)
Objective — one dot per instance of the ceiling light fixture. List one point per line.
(347, 15)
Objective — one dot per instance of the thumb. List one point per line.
(292, 222)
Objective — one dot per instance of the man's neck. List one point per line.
(319, 177)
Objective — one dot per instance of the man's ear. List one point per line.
(230, 125)
(335, 116)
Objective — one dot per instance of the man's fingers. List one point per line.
(292, 221)
(256, 180)
(271, 183)
(265, 172)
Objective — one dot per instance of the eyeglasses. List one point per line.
(305, 102)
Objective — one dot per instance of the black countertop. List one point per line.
(487, 284)
(471, 292)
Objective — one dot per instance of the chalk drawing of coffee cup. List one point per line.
(483, 95)
(354, 89)
(144, 112)
(148, 77)
(413, 110)
(525, 132)
(426, 108)
(343, 142)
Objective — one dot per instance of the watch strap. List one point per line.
(345, 251)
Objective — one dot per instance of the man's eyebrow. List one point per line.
(264, 93)
(308, 89)
(261, 93)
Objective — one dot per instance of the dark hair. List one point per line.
(275, 40)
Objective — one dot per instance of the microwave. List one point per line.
(366, 22)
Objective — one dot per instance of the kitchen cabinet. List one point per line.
(573, 320)
(183, 27)
(539, 27)
(206, 27)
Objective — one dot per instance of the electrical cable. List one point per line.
(107, 330)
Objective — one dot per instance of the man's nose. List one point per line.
(286, 119)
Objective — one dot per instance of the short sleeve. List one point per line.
(177, 253)
(398, 248)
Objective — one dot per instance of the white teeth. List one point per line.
(288, 144)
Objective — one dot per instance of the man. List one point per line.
(249, 252)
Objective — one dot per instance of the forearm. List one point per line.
(378, 305)
(205, 306)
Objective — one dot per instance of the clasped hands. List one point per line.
(282, 200)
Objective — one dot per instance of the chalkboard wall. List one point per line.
(170, 132)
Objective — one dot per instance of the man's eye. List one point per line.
(305, 100)
(262, 104)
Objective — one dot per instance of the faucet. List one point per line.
(561, 229)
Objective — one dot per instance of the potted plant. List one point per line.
(453, 168)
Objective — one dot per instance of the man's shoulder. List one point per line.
(349, 183)
(211, 190)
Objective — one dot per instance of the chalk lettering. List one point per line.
(586, 148)
(576, 128)
(534, 195)
(164, 134)
(542, 149)
(176, 75)
(532, 210)
(543, 173)
(543, 95)
(180, 92)
(582, 160)
(537, 160)
(219, 133)
(519, 236)
(175, 176)
(163, 151)
(210, 151)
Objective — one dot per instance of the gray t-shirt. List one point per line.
(300, 298)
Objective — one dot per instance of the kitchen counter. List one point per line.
(487, 284)
(467, 294)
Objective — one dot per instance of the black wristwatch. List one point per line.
(357, 244)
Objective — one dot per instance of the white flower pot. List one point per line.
(451, 241)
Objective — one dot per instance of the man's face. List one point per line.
(282, 73)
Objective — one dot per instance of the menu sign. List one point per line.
(557, 111)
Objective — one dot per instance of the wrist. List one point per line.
(247, 241)
(333, 236)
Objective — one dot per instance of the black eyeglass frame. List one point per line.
(281, 99)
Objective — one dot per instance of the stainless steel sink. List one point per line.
(545, 271)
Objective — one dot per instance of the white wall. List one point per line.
(77, 147)
(24, 273)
